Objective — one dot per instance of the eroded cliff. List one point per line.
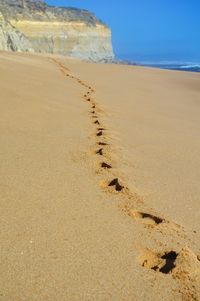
(35, 26)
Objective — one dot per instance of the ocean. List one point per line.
(171, 66)
(175, 63)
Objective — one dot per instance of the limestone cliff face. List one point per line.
(46, 29)
(11, 39)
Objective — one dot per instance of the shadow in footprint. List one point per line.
(100, 133)
(105, 165)
(101, 129)
(100, 152)
(156, 219)
(170, 259)
(147, 217)
(102, 143)
(116, 185)
(96, 122)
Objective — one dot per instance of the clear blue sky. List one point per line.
(149, 30)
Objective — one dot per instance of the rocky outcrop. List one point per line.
(29, 25)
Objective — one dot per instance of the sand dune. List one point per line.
(99, 181)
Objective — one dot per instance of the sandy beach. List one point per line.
(99, 177)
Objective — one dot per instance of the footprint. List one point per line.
(93, 112)
(93, 107)
(100, 133)
(101, 129)
(184, 265)
(116, 185)
(96, 122)
(146, 217)
(105, 165)
(102, 143)
(159, 262)
(100, 152)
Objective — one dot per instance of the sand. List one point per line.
(99, 180)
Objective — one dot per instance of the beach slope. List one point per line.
(99, 180)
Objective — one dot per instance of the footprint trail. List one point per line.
(177, 263)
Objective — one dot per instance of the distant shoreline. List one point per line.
(190, 67)
(178, 67)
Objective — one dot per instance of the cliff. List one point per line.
(11, 39)
(29, 25)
